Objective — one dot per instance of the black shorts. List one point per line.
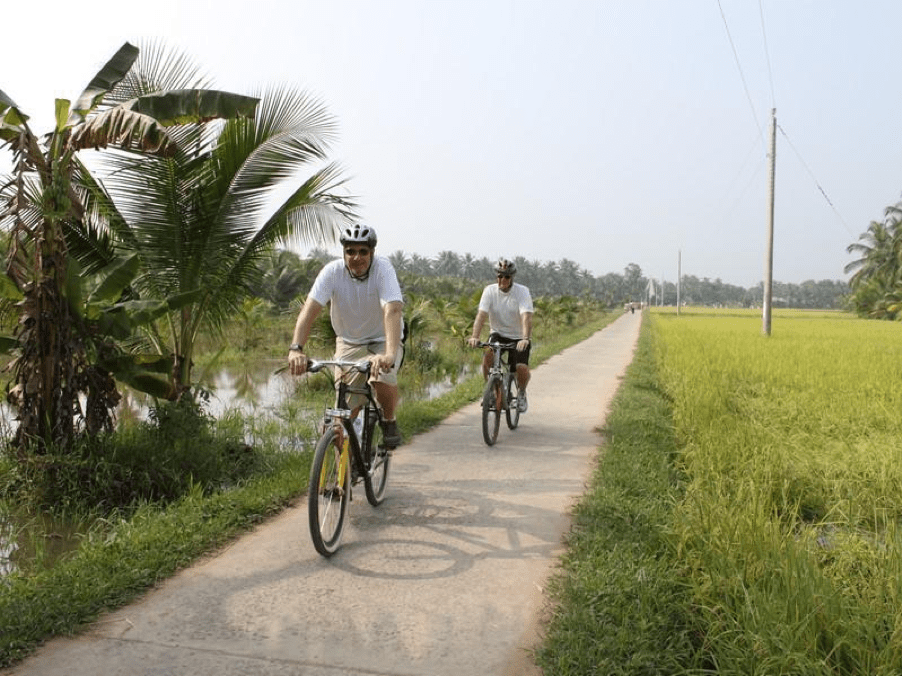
(515, 356)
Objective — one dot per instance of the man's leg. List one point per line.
(387, 396)
(487, 358)
(523, 376)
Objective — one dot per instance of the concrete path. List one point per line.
(446, 577)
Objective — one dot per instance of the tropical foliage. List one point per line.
(48, 205)
(115, 265)
(877, 272)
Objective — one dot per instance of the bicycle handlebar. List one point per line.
(363, 366)
(497, 345)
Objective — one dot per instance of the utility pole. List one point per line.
(679, 277)
(769, 253)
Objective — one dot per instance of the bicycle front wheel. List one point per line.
(329, 493)
(512, 407)
(491, 410)
(378, 460)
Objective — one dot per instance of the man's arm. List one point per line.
(297, 360)
(526, 330)
(391, 316)
(478, 323)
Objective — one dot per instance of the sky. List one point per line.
(606, 132)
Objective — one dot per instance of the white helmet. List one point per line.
(358, 234)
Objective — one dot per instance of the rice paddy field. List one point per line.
(786, 530)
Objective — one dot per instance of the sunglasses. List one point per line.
(504, 276)
(357, 252)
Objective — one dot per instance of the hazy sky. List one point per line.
(607, 132)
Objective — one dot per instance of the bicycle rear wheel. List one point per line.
(512, 403)
(491, 410)
(329, 493)
(377, 460)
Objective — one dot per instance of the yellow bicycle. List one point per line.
(345, 455)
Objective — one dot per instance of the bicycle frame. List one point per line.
(501, 366)
(341, 416)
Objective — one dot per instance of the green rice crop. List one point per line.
(790, 448)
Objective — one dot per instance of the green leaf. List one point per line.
(8, 344)
(108, 77)
(11, 113)
(180, 300)
(150, 384)
(9, 290)
(61, 107)
(73, 289)
(192, 105)
(114, 278)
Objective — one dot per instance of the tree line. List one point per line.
(287, 274)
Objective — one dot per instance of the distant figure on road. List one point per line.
(366, 313)
(508, 307)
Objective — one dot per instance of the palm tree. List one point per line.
(48, 200)
(877, 248)
(202, 219)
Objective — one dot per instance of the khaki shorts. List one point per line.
(351, 352)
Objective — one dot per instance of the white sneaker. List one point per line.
(522, 404)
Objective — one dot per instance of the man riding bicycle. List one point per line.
(366, 313)
(508, 307)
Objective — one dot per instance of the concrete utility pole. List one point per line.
(769, 253)
(679, 277)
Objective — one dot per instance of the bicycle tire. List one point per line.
(512, 403)
(491, 412)
(378, 460)
(328, 494)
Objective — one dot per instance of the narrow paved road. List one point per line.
(446, 577)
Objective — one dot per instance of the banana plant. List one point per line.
(41, 203)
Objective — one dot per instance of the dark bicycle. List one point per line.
(501, 392)
(344, 457)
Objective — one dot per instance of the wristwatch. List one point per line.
(296, 347)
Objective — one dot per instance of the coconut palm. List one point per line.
(46, 202)
(877, 248)
(203, 219)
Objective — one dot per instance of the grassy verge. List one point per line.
(114, 565)
(118, 562)
(618, 603)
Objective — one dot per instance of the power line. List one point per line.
(739, 66)
(822, 191)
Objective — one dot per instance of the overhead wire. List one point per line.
(774, 104)
(739, 66)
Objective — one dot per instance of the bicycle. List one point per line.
(344, 457)
(501, 392)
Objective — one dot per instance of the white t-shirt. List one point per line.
(504, 309)
(357, 306)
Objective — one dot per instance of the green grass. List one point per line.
(745, 512)
(619, 605)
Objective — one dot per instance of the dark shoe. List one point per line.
(522, 404)
(390, 435)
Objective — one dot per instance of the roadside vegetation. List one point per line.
(744, 515)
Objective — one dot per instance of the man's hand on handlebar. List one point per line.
(297, 362)
(522, 344)
(473, 342)
(383, 363)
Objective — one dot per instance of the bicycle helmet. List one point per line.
(505, 267)
(358, 234)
